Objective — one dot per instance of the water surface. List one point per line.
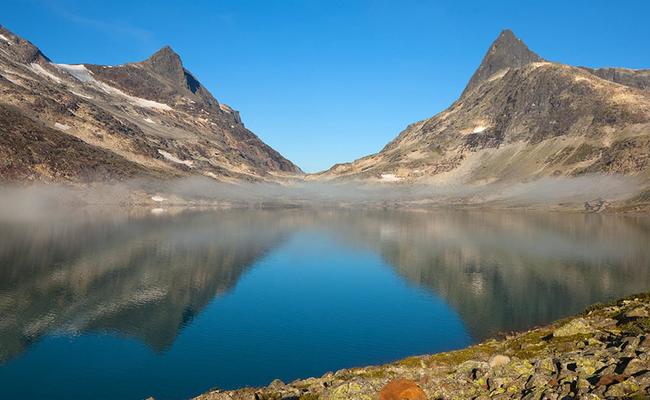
(105, 305)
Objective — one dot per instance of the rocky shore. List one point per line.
(602, 353)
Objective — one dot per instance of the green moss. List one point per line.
(594, 307)
(460, 356)
(374, 373)
(269, 396)
(637, 326)
(412, 362)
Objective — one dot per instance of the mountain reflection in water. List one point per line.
(148, 276)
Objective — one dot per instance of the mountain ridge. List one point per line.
(152, 114)
(522, 118)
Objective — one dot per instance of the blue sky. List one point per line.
(330, 81)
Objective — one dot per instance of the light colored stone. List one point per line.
(349, 391)
(578, 326)
(498, 360)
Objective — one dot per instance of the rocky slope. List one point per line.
(603, 353)
(62, 122)
(521, 118)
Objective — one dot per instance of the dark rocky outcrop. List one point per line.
(507, 51)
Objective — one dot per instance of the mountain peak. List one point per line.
(507, 51)
(506, 34)
(164, 52)
(166, 63)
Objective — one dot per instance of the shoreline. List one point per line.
(603, 352)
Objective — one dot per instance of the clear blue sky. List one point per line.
(327, 81)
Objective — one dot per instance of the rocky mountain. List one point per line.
(521, 118)
(84, 122)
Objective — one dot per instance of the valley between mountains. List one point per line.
(520, 119)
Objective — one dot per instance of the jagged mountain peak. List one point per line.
(505, 36)
(166, 63)
(507, 51)
(165, 55)
(165, 51)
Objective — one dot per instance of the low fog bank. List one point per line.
(24, 200)
(542, 191)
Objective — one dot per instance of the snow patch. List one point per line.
(43, 72)
(390, 178)
(85, 96)
(157, 210)
(158, 198)
(146, 103)
(479, 129)
(6, 39)
(149, 120)
(79, 71)
(212, 175)
(62, 127)
(83, 74)
(175, 159)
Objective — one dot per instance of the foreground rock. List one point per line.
(600, 354)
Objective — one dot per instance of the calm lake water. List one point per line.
(108, 305)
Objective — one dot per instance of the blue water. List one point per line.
(171, 306)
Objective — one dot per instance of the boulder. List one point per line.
(402, 389)
(578, 326)
(498, 360)
(637, 312)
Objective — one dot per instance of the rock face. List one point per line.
(150, 118)
(604, 353)
(521, 118)
(507, 52)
